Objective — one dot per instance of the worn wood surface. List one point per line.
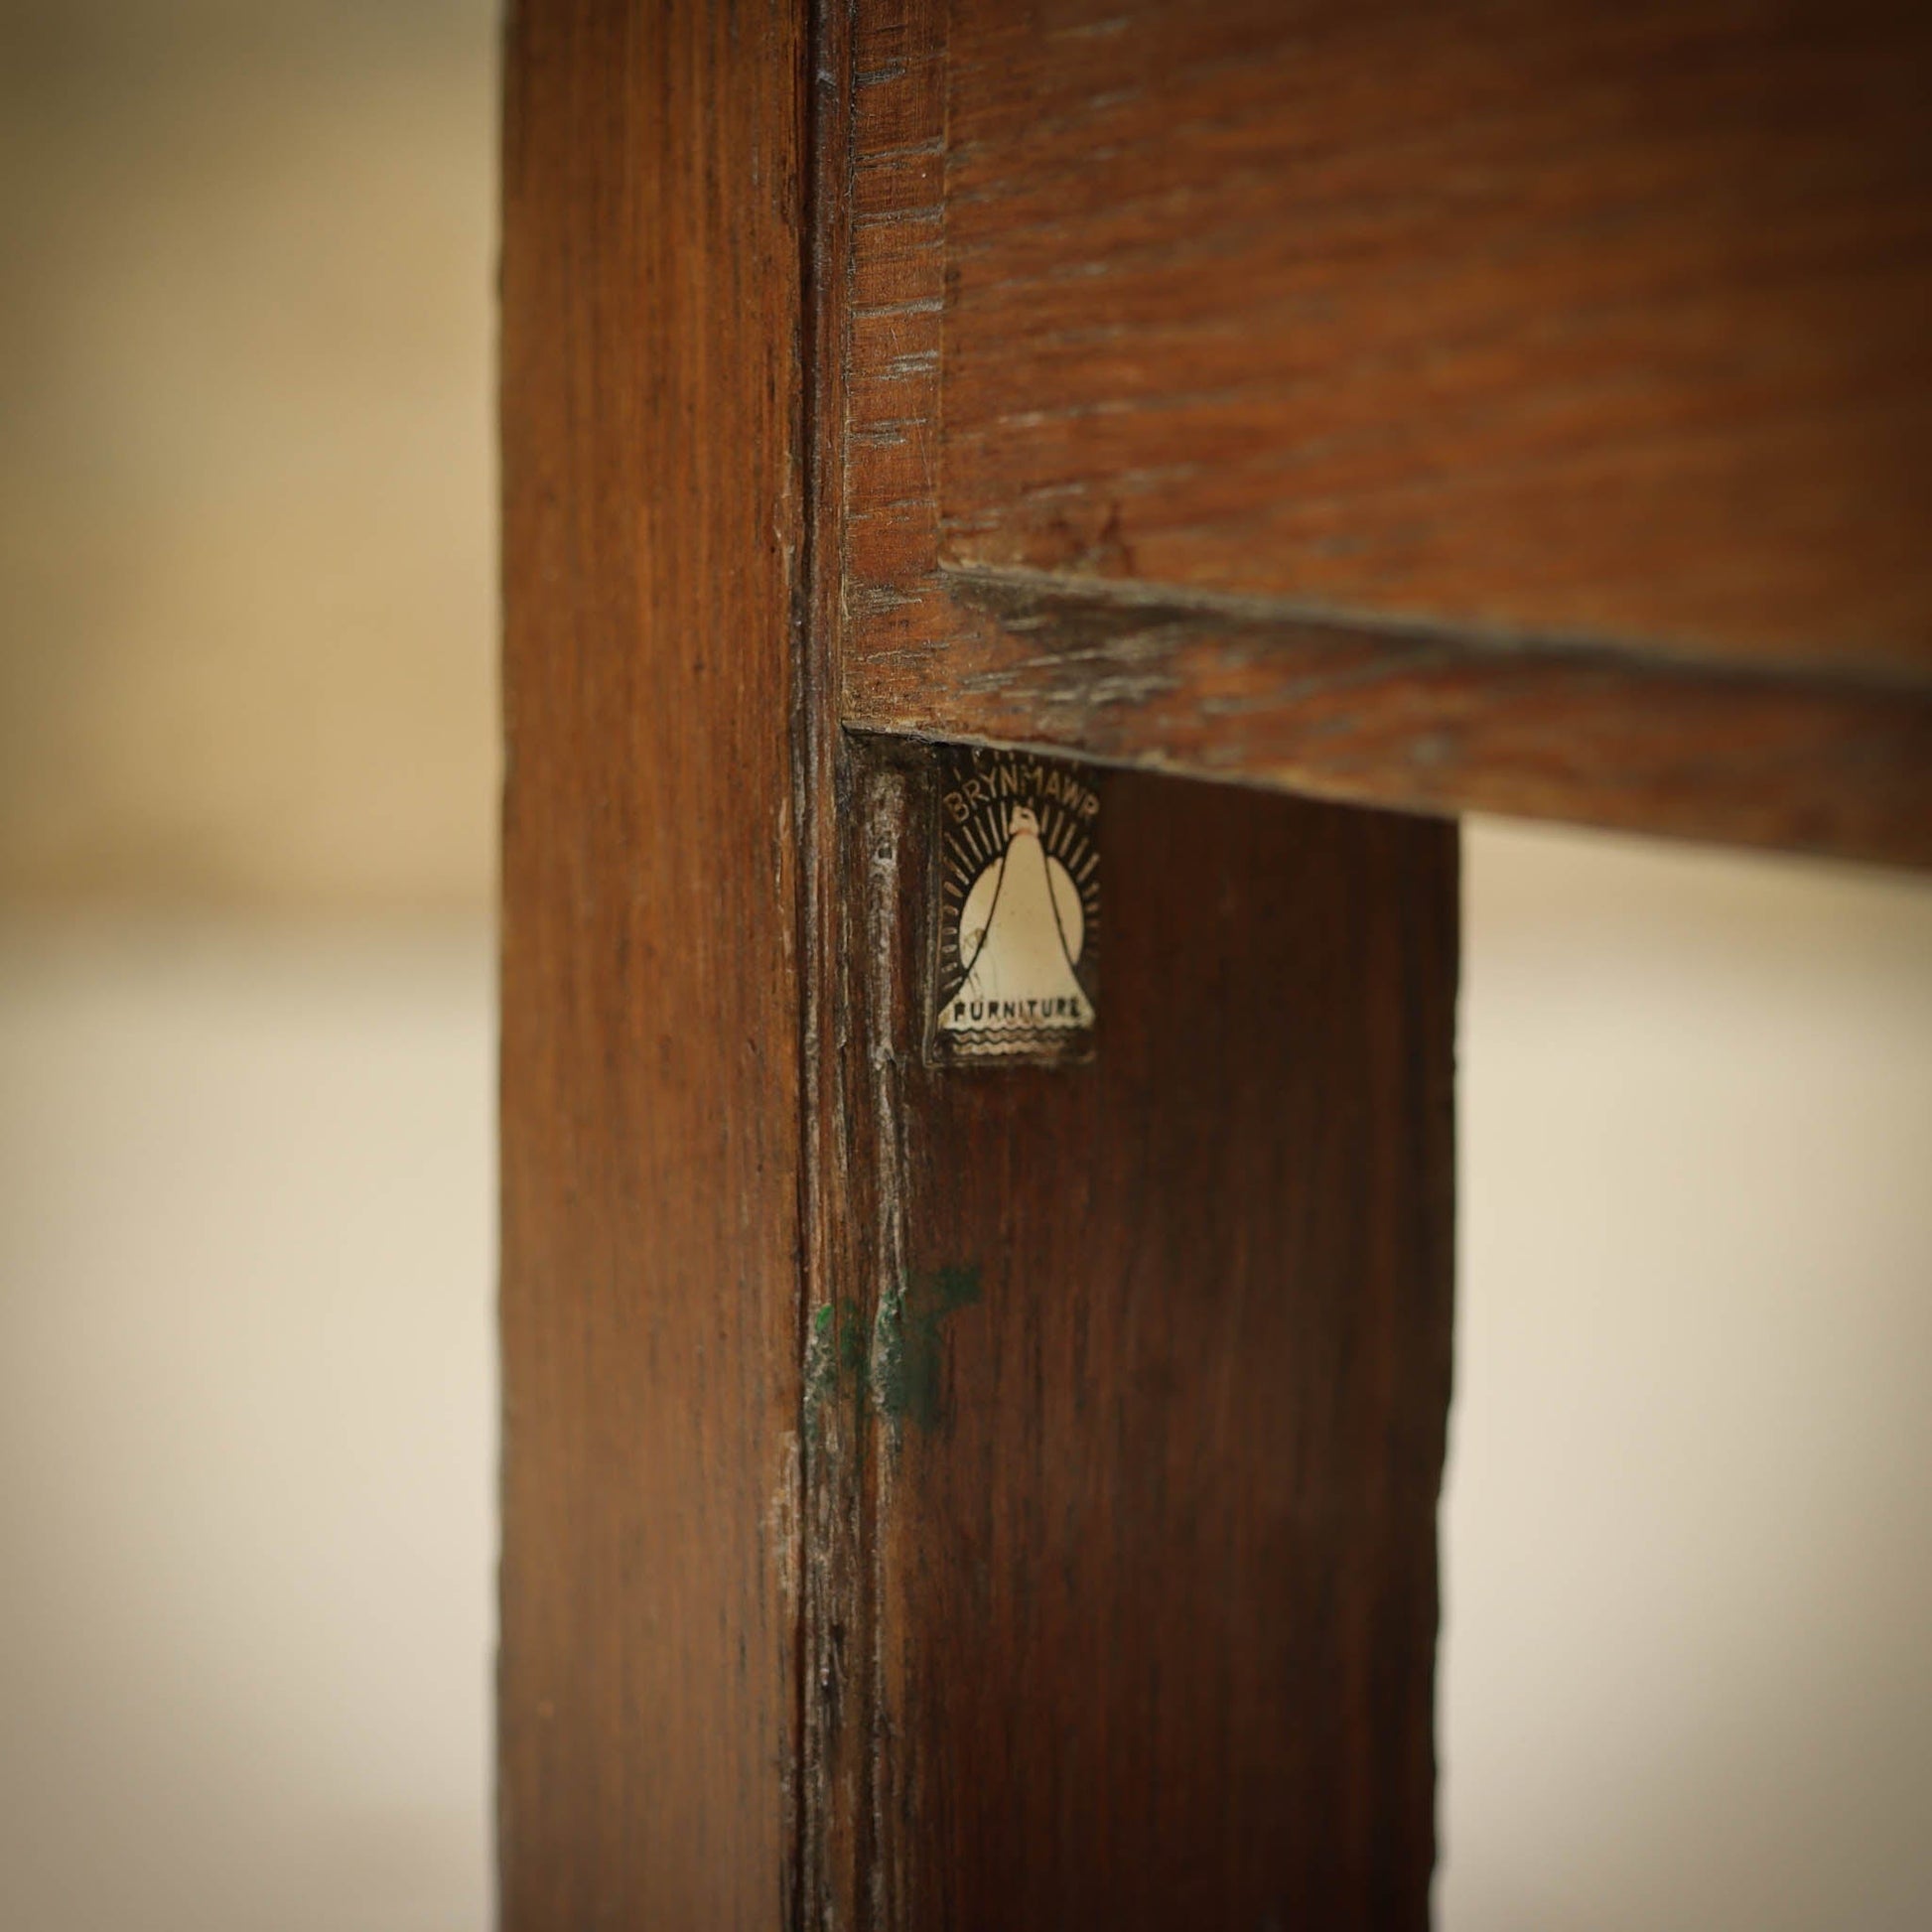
(1387, 715)
(651, 403)
(834, 1846)
(1121, 1609)
(1589, 346)
(1608, 321)
(1134, 1386)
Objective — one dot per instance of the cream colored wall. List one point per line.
(247, 1428)
(246, 1393)
(1687, 1667)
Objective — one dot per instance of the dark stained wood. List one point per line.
(1145, 1633)
(1511, 405)
(1399, 717)
(1137, 1627)
(834, 1846)
(1601, 319)
(653, 491)
(893, 610)
(1502, 406)
(1518, 407)
(1129, 1617)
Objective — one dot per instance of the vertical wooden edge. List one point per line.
(866, 64)
(827, 1856)
(657, 710)
(1436, 933)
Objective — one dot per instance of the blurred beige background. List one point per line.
(247, 772)
(1687, 1661)
(246, 1383)
(245, 462)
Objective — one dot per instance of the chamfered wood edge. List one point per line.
(831, 1846)
(1415, 719)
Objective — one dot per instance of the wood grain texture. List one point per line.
(1394, 716)
(834, 1847)
(893, 609)
(1658, 465)
(1606, 321)
(1130, 1617)
(1145, 1633)
(652, 478)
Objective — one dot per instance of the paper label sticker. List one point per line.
(1018, 930)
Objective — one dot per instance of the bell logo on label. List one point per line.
(1020, 909)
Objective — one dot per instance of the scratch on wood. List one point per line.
(923, 305)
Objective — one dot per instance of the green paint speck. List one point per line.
(908, 1345)
(835, 1355)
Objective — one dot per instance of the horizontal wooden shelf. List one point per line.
(1242, 690)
